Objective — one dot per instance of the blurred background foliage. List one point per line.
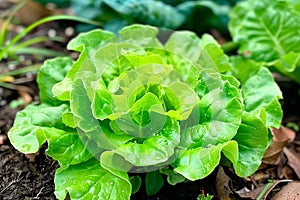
(200, 16)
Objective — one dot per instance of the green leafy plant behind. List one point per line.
(130, 104)
(268, 32)
(200, 16)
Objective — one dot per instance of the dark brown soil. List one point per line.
(25, 179)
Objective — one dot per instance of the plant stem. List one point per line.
(23, 70)
(229, 46)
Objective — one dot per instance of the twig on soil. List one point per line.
(13, 182)
(39, 193)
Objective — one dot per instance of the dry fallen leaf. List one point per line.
(250, 194)
(31, 12)
(25, 96)
(283, 134)
(31, 156)
(259, 175)
(272, 155)
(290, 191)
(286, 172)
(280, 138)
(222, 185)
(293, 160)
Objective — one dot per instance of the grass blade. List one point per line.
(42, 21)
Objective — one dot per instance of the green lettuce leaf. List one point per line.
(252, 140)
(130, 104)
(89, 128)
(202, 53)
(52, 72)
(219, 111)
(88, 180)
(199, 162)
(86, 46)
(154, 182)
(66, 147)
(259, 90)
(36, 124)
(172, 177)
(28, 133)
(146, 154)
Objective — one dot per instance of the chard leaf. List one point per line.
(28, 133)
(268, 31)
(289, 65)
(199, 162)
(259, 90)
(88, 180)
(52, 72)
(148, 12)
(252, 139)
(213, 15)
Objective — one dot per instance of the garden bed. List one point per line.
(31, 176)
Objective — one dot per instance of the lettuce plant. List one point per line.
(268, 32)
(130, 104)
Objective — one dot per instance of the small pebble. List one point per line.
(3, 102)
(52, 33)
(3, 138)
(69, 31)
(11, 66)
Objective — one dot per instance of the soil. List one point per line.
(31, 176)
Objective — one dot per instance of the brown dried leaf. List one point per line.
(293, 160)
(290, 191)
(286, 172)
(25, 96)
(222, 185)
(31, 12)
(269, 187)
(246, 193)
(31, 156)
(280, 138)
(283, 134)
(259, 175)
(272, 155)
